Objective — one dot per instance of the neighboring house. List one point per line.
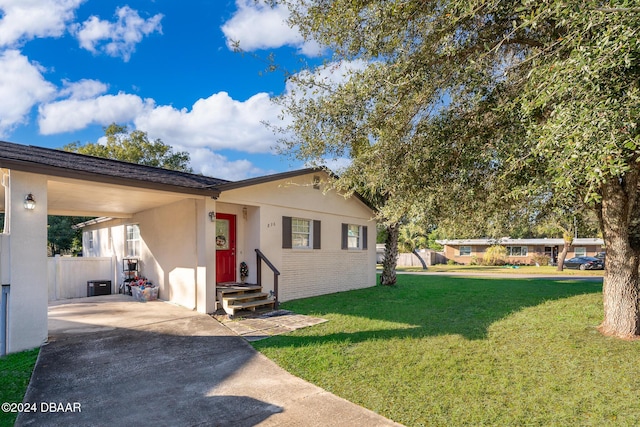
(519, 251)
(188, 232)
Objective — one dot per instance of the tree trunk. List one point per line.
(561, 256)
(390, 255)
(424, 264)
(567, 237)
(620, 215)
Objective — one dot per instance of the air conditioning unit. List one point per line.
(98, 287)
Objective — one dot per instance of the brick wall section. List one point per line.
(307, 273)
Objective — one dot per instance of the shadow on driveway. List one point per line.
(113, 361)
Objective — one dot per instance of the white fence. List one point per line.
(429, 256)
(68, 276)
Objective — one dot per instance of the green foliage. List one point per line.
(495, 255)
(451, 105)
(540, 259)
(61, 237)
(411, 238)
(134, 147)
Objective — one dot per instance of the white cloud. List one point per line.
(76, 113)
(257, 25)
(27, 19)
(337, 165)
(21, 87)
(209, 163)
(217, 122)
(326, 76)
(117, 38)
(83, 89)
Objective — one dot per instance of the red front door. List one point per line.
(225, 248)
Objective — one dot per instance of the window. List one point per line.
(465, 250)
(354, 236)
(90, 239)
(133, 240)
(300, 233)
(580, 251)
(517, 250)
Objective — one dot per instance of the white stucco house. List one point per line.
(187, 232)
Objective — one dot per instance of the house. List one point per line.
(188, 233)
(519, 251)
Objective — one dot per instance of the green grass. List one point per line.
(457, 351)
(15, 372)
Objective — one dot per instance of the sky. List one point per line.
(69, 68)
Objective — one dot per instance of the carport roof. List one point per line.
(47, 161)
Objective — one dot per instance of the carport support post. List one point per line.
(28, 300)
(205, 243)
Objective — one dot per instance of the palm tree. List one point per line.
(410, 239)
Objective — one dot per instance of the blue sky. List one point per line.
(70, 67)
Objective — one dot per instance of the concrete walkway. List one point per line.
(113, 361)
(262, 326)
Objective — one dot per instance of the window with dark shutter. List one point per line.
(287, 242)
(354, 237)
(364, 237)
(316, 234)
(345, 236)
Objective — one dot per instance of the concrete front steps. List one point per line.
(236, 297)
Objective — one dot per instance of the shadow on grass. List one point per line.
(426, 306)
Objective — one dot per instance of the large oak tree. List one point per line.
(451, 107)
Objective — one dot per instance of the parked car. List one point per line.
(584, 263)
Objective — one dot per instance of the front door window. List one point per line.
(222, 234)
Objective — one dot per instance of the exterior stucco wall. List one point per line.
(27, 249)
(169, 246)
(178, 242)
(304, 272)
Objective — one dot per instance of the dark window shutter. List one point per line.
(316, 235)
(364, 237)
(345, 236)
(287, 241)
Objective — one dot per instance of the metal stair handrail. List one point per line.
(259, 258)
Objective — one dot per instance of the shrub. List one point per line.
(495, 255)
(540, 259)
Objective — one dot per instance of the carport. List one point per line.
(55, 182)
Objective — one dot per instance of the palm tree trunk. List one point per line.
(390, 261)
(424, 264)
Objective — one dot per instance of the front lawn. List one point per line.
(448, 351)
(15, 373)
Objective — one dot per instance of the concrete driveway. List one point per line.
(112, 361)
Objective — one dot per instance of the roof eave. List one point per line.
(25, 166)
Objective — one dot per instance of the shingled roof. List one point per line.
(60, 163)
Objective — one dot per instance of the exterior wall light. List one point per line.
(212, 216)
(29, 202)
